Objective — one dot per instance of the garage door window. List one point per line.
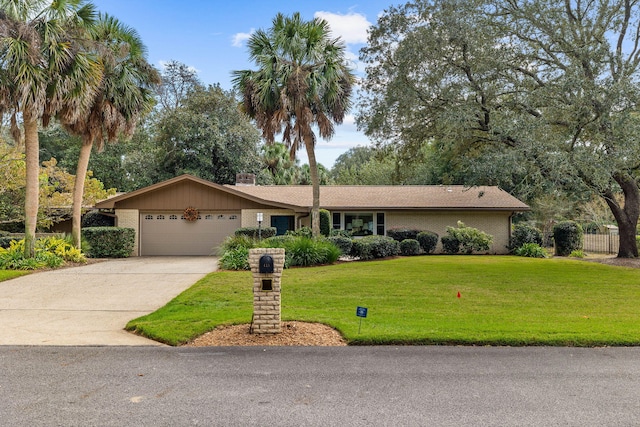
(148, 217)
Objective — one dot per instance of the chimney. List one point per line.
(245, 179)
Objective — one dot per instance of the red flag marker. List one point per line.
(458, 294)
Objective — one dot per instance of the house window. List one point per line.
(160, 217)
(359, 224)
(173, 217)
(380, 223)
(148, 217)
(337, 223)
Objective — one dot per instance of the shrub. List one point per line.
(342, 243)
(577, 254)
(531, 250)
(450, 245)
(236, 242)
(254, 232)
(568, 237)
(523, 233)
(401, 234)
(97, 219)
(110, 242)
(235, 259)
(304, 251)
(50, 252)
(343, 233)
(471, 239)
(325, 222)
(409, 247)
(370, 247)
(301, 232)
(5, 241)
(428, 241)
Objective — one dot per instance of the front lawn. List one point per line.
(11, 274)
(503, 300)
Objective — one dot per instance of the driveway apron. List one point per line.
(91, 304)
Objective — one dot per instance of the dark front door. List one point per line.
(282, 223)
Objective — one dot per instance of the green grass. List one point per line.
(11, 274)
(504, 301)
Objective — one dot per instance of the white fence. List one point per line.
(601, 243)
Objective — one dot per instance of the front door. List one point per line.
(282, 223)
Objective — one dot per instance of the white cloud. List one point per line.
(352, 27)
(238, 39)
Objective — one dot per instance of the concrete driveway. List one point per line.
(91, 304)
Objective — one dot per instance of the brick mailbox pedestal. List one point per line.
(266, 268)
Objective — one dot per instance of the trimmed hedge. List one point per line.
(409, 247)
(568, 237)
(523, 233)
(370, 247)
(343, 243)
(325, 222)
(109, 242)
(401, 234)
(253, 232)
(428, 241)
(450, 245)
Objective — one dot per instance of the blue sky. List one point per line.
(209, 36)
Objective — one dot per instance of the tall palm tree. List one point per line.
(275, 157)
(125, 92)
(302, 81)
(42, 69)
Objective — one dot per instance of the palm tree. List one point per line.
(275, 157)
(125, 92)
(302, 81)
(42, 69)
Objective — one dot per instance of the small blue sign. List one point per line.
(361, 312)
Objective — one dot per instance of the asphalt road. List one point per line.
(345, 386)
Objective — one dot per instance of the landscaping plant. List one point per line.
(470, 239)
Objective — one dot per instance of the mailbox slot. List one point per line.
(266, 264)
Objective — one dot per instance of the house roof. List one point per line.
(355, 197)
(390, 197)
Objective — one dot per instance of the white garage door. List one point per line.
(167, 233)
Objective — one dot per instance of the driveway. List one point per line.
(91, 304)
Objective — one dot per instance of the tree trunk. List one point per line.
(32, 187)
(627, 217)
(78, 192)
(315, 183)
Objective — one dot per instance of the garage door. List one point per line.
(167, 233)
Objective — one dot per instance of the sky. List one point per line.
(210, 37)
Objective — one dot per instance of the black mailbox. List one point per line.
(266, 264)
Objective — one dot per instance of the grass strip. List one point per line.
(503, 300)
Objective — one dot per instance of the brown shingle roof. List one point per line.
(406, 197)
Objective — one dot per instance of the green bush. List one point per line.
(568, 237)
(97, 219)
(428, 241)
(5, 241)
(305, 251)
(343, 233)
(50, 252)
(370, 247)
(531, 250)
(401, 234)
(577, 254)
(471, 239)
(236, 242)
(110, 242)
(325, 222)
(409, 247)
(235, 259)
(450, 245)
(254, 232)
(342, 243)
(523, 233)
(301, 232)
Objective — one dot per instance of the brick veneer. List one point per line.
(266, 303)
